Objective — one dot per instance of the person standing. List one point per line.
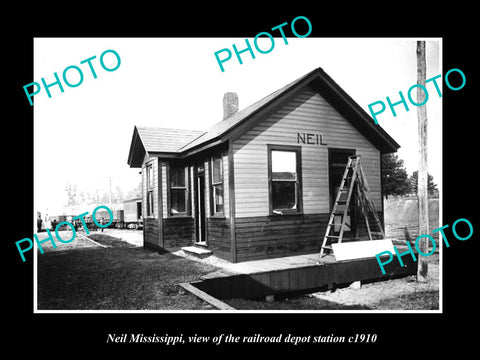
(39, 223)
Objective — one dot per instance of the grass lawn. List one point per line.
(120, 277)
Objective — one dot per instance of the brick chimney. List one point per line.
(230, 104)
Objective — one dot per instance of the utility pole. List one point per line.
(110, 191)
(422, 188)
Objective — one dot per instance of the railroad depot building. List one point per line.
(262, 182)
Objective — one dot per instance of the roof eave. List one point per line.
(136, 146)
(327, 87)
(353, 112)
(335, 94)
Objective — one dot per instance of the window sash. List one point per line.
(149, 174)
(284, 179)
(178, 200)
(218, 201)
(178, 178)
(150, 203)
(217, 170)
(217, 190)
(149, 177)
(282, 199)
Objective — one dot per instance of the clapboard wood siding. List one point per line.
(151, 233)
(307, 113)
(272, 236)
(191, 184)
(226, 188)
(163, 187)
(178, 232)
(219, 237)
(248, 228)
(151, 223)
(208, 181)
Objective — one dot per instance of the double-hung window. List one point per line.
(285, 183)
(149, 170)
(178, 190)
(217, 185)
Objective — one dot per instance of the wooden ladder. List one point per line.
(352, 180)
(367, 207)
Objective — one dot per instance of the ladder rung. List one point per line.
(376, 233)
(329, 247)
(333, 236)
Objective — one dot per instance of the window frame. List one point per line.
(178, 188)
(150, 186)
(214, 185)
(298, 181)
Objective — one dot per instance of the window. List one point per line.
(285, 179)
(149, 170)
(217, 185)
(178, 190)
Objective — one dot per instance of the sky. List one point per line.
(83, 135)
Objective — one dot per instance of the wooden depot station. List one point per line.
(262, 183)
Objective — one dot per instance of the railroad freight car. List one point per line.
(132, 213)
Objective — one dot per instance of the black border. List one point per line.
(408, 334)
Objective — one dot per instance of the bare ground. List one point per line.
(396, 294)
(82, 275)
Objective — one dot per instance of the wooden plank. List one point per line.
(274, 233)
(263, 278)
(178, 231)
(206, 297)
(279, 220)
(247, 281)
(231, 192)
(249, 255)
(361, 249)
(283, 279)
(289, 242)
(96, 243)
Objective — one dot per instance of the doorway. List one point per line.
(337, 161)
(200, 223)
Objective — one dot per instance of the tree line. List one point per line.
(76, 196)
(396, 181)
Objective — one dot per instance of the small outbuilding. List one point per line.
(262, 182)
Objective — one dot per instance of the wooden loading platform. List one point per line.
(257, 279)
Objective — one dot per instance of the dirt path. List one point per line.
(81, 241)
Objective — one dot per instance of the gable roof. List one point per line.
(157, 142)
(228, 124)
(176, 143)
